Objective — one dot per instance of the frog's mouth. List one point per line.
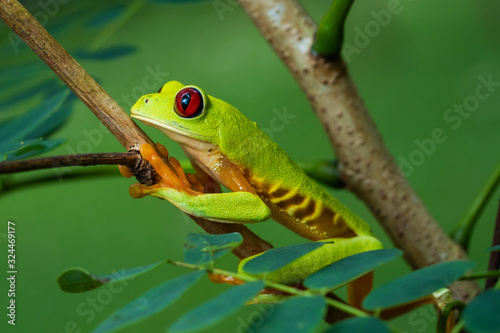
(169, 128)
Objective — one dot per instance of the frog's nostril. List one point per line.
(146, 100)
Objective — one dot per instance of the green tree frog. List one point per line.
(225, 146)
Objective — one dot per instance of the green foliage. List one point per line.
(481, 315)
(301, 313)
(275, 259)
(297, 314)
(349, 269)
(494, 248)
(108, 53)
(372, 325)
(24, 136)
(150, 303)
(205, 249)
(217, 309)
(416, 285)
(78, 280)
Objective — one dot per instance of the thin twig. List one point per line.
(128, 159)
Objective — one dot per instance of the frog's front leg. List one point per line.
(233, 207)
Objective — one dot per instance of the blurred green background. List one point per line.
(426, 59)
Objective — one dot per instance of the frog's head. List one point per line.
(181, 112)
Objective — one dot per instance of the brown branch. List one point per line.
(494, 262)
(364, 162)
(130, 160)
(130, 136)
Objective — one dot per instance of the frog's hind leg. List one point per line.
(358, 289)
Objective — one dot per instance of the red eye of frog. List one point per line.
(188, 103)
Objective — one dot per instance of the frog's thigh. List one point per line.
(301, 268)
(232, 207)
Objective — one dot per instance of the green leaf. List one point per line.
(20, 128)
(494, 248)
(109, 53)
(359, 324)
(417, 284)
(105, 17)
(350, 268)
(217, 309)
(19, 74)
(297, 314)
(128, 274)
(274, 259)
(35, 148)
(77, 280)
(203, 249)
(149, 303)
(481, 315)
(21, 95)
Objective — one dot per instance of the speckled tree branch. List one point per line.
(365, 163)
(130, 136)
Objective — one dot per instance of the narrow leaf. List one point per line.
(19, 74)
(21, 127)
(359, 324)
(350, 268)
(417, 284)
(36, 148)
(217, 309)
(108, 53)
(275, 259)
(55, 121)
(150, 303)
(105, 17)
(21, 95)
(202, 249)
(481, 315)
(78, 280)
(494, 248)
(295, 315)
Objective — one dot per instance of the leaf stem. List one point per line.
(484, 275)
(463, 232)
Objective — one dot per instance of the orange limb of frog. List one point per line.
(228, 279)
(358, 289)
(169, 178)
(125, 171)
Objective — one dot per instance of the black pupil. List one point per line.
(186, 98)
